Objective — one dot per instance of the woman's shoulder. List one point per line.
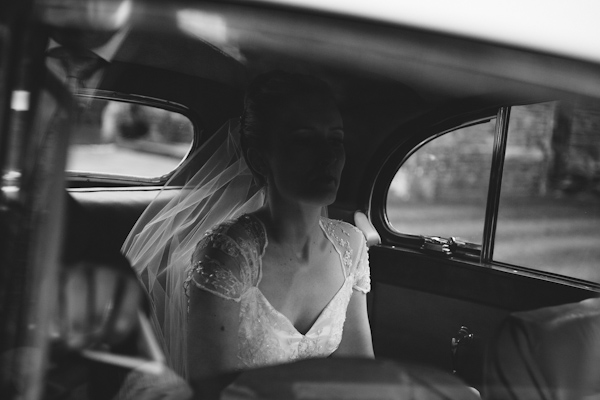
(226, 260)
(241, 232)
(343, 232)
(353, 247)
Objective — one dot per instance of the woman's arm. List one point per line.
(214, 289)
(356, 339)
(213, 324)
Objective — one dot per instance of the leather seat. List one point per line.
(110, 213)
(97, 223)
(551, 353)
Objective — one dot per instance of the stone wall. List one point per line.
(553, 149)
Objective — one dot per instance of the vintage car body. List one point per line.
(402, 80)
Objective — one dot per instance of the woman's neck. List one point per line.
(292, 225)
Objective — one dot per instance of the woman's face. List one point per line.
(305, 151)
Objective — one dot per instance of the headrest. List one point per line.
(550, 353)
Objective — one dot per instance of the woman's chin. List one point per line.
(321, 196)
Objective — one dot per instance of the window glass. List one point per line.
(549, 216)
(441, 189)
(116, 137)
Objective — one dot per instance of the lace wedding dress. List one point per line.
(266, 336)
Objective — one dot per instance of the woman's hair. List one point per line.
(266, 97)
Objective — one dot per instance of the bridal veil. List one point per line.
(161, 243)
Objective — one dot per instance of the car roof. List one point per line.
(386, 43)
(377, 59)
(559, 27)
(437, 53)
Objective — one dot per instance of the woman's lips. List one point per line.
(325, 179)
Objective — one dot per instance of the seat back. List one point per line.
(99, 219)
(550, 353)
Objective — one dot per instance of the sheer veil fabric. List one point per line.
(161, 243)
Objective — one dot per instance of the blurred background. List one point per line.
(550, 198)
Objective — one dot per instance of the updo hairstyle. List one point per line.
(266, 98)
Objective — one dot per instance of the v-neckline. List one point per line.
(316, 321)
(268, 303)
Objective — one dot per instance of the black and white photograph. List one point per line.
(299, 199)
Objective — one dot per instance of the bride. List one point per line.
(242, 268)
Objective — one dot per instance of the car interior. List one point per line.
(445, 315)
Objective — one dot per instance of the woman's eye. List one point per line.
(317, 141)
(339, 141)
(304, 140)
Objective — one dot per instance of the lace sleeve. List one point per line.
(362, 277)
(217, 267)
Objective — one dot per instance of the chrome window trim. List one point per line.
(495, 185)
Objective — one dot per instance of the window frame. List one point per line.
(395, 158)
(401, 151)
(414, 150)
(81, 179)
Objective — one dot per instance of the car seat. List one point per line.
(551, 353)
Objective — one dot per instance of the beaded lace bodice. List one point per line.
(266, 336)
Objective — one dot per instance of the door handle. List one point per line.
(464, 336)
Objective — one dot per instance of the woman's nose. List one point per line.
(330, 154)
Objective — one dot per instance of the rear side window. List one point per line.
(441, 189)
(113, 137)
(548, 215)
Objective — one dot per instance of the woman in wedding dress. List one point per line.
(275, 281)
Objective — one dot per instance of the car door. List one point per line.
(483, 214)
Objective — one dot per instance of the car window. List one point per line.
(549, 210)
(441, 189)
(126, 138)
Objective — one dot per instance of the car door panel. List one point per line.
(421, 301)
